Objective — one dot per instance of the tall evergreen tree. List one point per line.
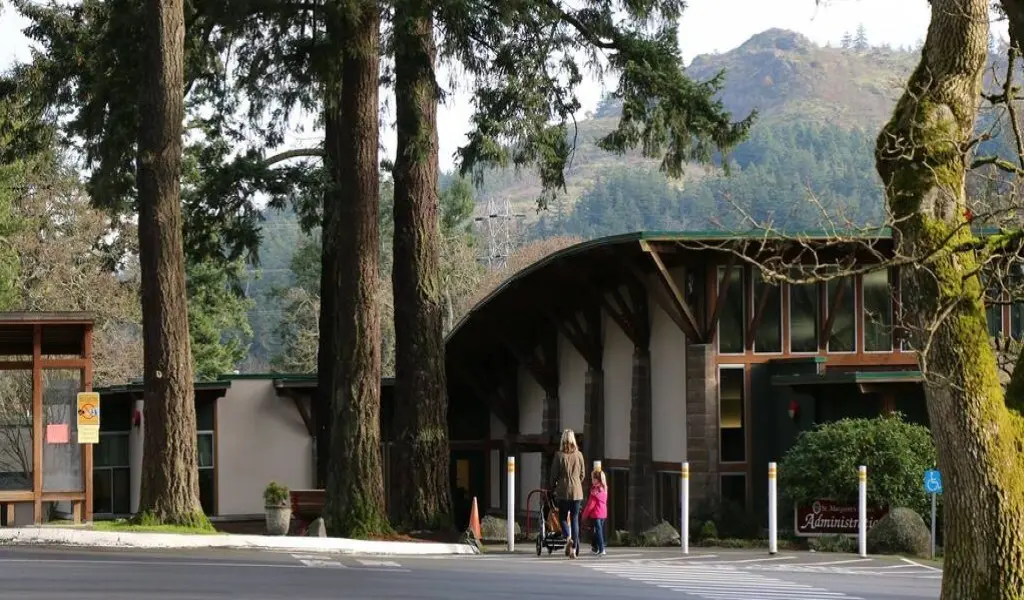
(170, 481)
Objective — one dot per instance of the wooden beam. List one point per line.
(304, 413)
(570, 327)
(723, 290)
(543, 369)
(619, 312)
(37, 424)
(680, 312)
(87, 451)
(495, 400)
(63, 496)
(17, 496)
(9, 509)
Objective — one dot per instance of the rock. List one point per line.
(662, 534)
(902, 531)
(317, 528)
(493, 529)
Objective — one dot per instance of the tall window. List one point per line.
(731, 315)
(877, 311)
(730, 414)
(205, 427)
(667, 494)
(994, 312)
(111, 474)
(803, 318)
(768, 335)
(618, 493)
(843, 337)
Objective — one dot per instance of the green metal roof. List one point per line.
(137, 387)
(848, 377)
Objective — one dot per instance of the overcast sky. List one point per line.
(708, 26)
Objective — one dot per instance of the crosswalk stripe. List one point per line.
(715, 581)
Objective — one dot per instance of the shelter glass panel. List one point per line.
(768, 335)
(16, 468)
(732, 316)
(62, 454)
(843, 337)
(803, 318)
(877, 311)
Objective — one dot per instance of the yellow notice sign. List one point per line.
(88, 418)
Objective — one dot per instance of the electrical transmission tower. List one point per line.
(498, 224)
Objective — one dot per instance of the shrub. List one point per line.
(902, 531)
(275, 494)
(823, 462)
(833, 543)
(730, 520)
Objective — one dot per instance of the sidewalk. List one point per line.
(115, 539)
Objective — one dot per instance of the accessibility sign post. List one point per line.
(933, 486)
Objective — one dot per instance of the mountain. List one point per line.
(782, 74)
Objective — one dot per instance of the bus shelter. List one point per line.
(49, 417)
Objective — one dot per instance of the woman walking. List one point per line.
(568, 470)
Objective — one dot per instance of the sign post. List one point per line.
(862, 511)
(510, 532)
(933, 486)
(88, 418)
(773, 509)
(684, 507)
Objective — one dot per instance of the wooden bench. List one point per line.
(307, 506)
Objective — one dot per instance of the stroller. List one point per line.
(550, 535)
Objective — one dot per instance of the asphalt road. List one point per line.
(33, 573)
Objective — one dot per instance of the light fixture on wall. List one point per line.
(794, 410)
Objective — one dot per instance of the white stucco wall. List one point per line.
(572, 383)
(529, 479)
(668, 387)
(261, 438)
(618, 381)
(531, 403)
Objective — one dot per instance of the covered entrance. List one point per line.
(47, 430)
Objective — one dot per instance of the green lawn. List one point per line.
(126, 526)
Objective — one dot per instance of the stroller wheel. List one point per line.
(540, 545)
(549, 551)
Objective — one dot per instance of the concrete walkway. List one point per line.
(50, 536)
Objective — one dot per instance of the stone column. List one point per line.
(702, 422)
(641, 474)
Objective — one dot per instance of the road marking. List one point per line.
(835, 562)
(153, 563)
(378, 563)
(715, 581)
(317, 562)
(917, 564)
(755, 560)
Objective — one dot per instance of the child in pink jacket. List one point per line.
(597, 508)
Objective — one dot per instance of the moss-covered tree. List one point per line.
(978, 430)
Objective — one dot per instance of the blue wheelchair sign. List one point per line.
(932, 481)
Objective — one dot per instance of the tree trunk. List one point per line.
(421, 402)
(920, 159)
(355, 484)
(170, 480)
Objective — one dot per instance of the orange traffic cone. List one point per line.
(474, 520)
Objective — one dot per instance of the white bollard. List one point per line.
(773, 510)
(684, 507)
(511, 530)
(862, 510)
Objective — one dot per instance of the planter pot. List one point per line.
(278, 519)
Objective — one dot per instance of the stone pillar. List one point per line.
(593, 416)
(641, 473)
(702, 422)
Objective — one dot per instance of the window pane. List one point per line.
(803, 318)
(117, 414)
(122, 491)
(734, 489)
(843, 337)
(204, 415)
(112, 451)
(617, 504)
(768, 336)
(205, 450)
(102, 501)
(994, 316)
(62, 456)
(206, 490)
(730, 402)
(731, 325)
(877, 312)
(667, 484)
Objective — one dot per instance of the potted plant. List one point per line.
(277, 507)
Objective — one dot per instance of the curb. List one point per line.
(113, 539)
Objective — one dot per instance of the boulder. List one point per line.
(902, 531)
(493, 529)
(317, 528)
(662, 534)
